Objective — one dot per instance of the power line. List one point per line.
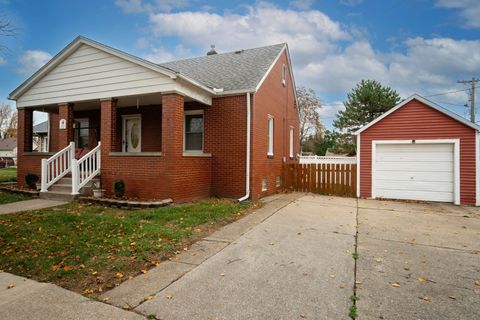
(447, 92)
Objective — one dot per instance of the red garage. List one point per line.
(419, 151)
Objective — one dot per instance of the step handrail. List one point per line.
(85, 168)
(57, 166)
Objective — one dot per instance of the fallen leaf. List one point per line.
(271, 243)
(342, 285)
(119, 275)
(396, 285)
(379, 260)
(453, 297)
(150, 297)
(67, 268)
(94, 273)
(422, 280)
(406, 268)
(332, 276)
(144, 271)
(82, 266)
(477, 282)
(222, 274)
(168, 296)
(10, 286)
(106, 299)
(425, 298)
(126, 306)
(302, 316)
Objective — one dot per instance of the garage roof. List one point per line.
(426, 102)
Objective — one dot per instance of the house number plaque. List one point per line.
(62, 124)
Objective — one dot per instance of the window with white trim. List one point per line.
(270, 136)
(284, 74)
(193, 131)
(291, 142)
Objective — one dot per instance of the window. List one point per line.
(264, 184)
(81, 134)
(193, 140)
(291, 142)
(270, 136)
(278, 181)
(284, 74)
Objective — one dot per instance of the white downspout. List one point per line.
(247, 164)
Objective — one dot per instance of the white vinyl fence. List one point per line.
(327, 160)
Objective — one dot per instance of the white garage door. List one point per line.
(414, 172)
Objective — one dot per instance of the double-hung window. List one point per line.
(194, 131)
(291, 142)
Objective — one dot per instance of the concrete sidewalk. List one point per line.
(295, 264)
(21, 298)
(27, 205)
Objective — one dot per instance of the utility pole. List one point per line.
(472, 82)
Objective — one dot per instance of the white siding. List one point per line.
(415, 172)
(89, 73)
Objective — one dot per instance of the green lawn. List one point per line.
(8, 174)
(6, 197)
(89, 248)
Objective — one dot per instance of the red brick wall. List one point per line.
(53, 120)
(225, 139)
(418, 121)
(273, 98)
(65, 136)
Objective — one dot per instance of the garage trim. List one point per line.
(477, 169)
(456, 162)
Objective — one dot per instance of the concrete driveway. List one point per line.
(297, 264)
(418, 261)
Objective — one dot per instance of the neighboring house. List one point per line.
(40, 137)
(8, 148)
(217, 125)
(419, 151)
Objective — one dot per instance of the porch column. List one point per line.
(172, 136)
(108, 127)
(24, 131)
(65, 128)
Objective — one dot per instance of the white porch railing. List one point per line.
(57, 166)
(327, 159)
(85, 169)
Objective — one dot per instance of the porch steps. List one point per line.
(62, 189)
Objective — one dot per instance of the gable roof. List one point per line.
(233, 72)
(42, 127)
(428, 103)
(241, 70)
(8, 143)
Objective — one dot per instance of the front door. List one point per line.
(81, 133)
(132, 133)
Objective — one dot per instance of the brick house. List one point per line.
(216, 125)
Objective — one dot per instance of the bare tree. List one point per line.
(308, 108)
(6, 30)
(6, 113)
(11, 129)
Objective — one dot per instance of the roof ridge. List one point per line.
(220, 54)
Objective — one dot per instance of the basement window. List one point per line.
(264, 184)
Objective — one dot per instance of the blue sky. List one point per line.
(416, 46)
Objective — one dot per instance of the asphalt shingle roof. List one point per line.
(238, 70)
(8, 143)
(42, 127)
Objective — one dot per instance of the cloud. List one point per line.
(327, 56)
(329, 110)
(469, 11)
(2, 61)
(139, 6)
(310, 32)
(32, 60)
